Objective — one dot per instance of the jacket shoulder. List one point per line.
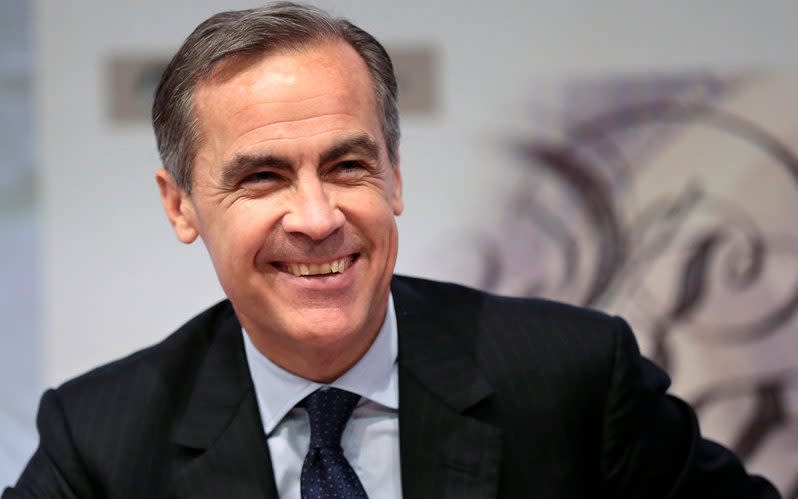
(518, 338)
(533, 315)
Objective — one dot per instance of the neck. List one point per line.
(321, 359)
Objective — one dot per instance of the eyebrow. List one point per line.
(361, 144)
(243, 163)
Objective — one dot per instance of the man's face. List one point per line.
(295, 198)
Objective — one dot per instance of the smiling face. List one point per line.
(295, 198)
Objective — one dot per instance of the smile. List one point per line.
(312, 269)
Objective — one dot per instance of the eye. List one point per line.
(349, 166)
(349, 170)
(260, 177)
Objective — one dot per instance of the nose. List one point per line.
(313, 212)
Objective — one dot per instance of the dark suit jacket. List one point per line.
(499, 397)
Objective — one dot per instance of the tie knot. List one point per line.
(328, 411)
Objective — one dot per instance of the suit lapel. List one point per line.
(444, 451)
(224, 449)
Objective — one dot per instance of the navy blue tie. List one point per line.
(326, 474)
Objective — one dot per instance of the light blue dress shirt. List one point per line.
(371, 439)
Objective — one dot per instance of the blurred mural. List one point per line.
(672, 201)
(19, 339)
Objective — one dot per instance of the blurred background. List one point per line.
(638, 157)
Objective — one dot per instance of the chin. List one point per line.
(325, 328)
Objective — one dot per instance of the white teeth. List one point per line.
(306, 269)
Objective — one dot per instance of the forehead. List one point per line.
(289, 89)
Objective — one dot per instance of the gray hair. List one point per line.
(275, 27)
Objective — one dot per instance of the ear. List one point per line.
(178, 206)
(397, 203)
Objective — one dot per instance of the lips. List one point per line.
(336, 266)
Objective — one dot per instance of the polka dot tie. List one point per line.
(326, 474)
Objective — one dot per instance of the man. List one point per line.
(278, 129)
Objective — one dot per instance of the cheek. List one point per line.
(239, 236)
(375, 218)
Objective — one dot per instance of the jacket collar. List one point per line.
(225, 449)
(445, 451)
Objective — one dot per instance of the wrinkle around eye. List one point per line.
(258, 188)
(349, 173)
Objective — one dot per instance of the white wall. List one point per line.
(20, 365)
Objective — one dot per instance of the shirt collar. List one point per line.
(374, 376)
